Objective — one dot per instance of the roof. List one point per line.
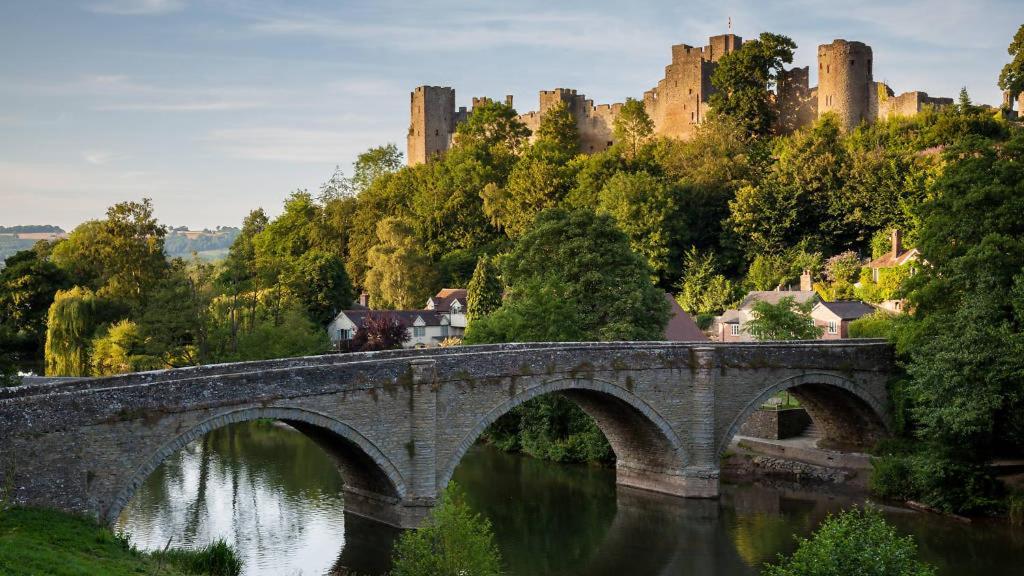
(681, 327)
(891, 260)
(774, 296)
(407, 317)
(730, 317)
(847, 309)
(443, 300)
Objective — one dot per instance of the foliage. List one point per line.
(400, 275)
(744, 78)
(454, 542)
(878, 324)
(857, 541)
(579, 266)
(646, 209)
(632, 126)
(70, 326)
(120, 349)
(48, 542)
(492, 125)
(484, 293)
(1011, 77)
(703, 290)
(786, 320)
(379, 331)
(28, 284)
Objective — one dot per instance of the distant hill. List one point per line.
(180, 242)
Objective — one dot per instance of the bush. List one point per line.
(455, 541)
(217, 559)
(858, 541)
(890, 477)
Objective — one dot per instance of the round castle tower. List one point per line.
(845, 82)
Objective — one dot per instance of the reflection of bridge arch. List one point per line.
(363, 468)
(398, 422)
(626, 421)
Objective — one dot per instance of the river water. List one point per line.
(275, 496)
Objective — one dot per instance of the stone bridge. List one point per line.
(398, 422)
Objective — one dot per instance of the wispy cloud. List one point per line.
(291, 145)
(468, 31)
(116, 92)
(100, 157)
(135, 7)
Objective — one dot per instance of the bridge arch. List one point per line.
(641, 438)
(849, 415)
(364, 469)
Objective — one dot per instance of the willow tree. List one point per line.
(70, 328)
(401, 274)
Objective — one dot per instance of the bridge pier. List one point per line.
(691, 482)
(407, 513)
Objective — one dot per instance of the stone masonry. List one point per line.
(678, 104)
(398, 422)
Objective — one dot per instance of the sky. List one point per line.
(213, 108)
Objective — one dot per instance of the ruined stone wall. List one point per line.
(797, 103)
(845, 83)
(594, 123)
(909, 104)
(432, 120)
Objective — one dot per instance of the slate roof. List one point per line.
(848, 309)
(774, 296)
(406, 317)
(443, 300)
(891, 260)
(681, 327)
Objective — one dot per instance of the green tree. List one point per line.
(786, 320)
(454, 542)
(857, 541)
(173, 325)
(484, 292)
(743, 81)
(703, 290)
(71, 322)
(493, 125)
(401, 275)
(319, 280)
(645, 208)
(584, 264)
(28, 284)
(374, 163)
(632, 126)
(121, 349)
(1011, 77)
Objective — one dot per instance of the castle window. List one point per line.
(609, 142)
(437, 132)
(826, 68)
(851, 62)
(690, 91)
(692, 117)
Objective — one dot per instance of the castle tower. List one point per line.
(432, 122)
(796, 103)
(845, 83)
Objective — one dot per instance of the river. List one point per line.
(275, 496)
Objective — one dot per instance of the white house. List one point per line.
(443, 317)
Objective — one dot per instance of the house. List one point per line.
(443, 317)
(835, 317)
(729, 326)
(897, 256)
(681, 327)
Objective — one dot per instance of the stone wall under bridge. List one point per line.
(397, 423)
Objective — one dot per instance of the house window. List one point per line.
(833, 327)
(345, 334)
(419, 331)
(734, 329)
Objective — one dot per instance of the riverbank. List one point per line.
(34, 541)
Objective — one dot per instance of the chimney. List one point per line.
(364, 299)
(805, 281)
(897, 244)
(508, 100)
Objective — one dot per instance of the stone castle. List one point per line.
(679, 103)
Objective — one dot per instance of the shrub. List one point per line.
(454, 542)
(217, 559)
(858, 541)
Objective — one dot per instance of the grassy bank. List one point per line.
(37, 542)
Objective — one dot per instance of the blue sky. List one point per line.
(216, 107)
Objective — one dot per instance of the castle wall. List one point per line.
(845, 84)
(909, 104)
(594, 123)
(796, 101)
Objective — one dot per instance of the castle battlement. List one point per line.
(678, 103)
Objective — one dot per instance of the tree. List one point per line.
(174, 324)
(702, 290)
(492, 125)
(484, 292)
(401, 275)
(454, 542)
(744, 78)
(645, 208)
(319, 280)
(857, 541)
(28, 284)
(121, 349)
(583, 264)
(379, 331)
(71, 321)
(1011, 77)
(374, 163)
(632, 126)
(786, 320)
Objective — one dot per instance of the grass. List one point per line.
(36, 542)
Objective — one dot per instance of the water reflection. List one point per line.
(277, 497)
